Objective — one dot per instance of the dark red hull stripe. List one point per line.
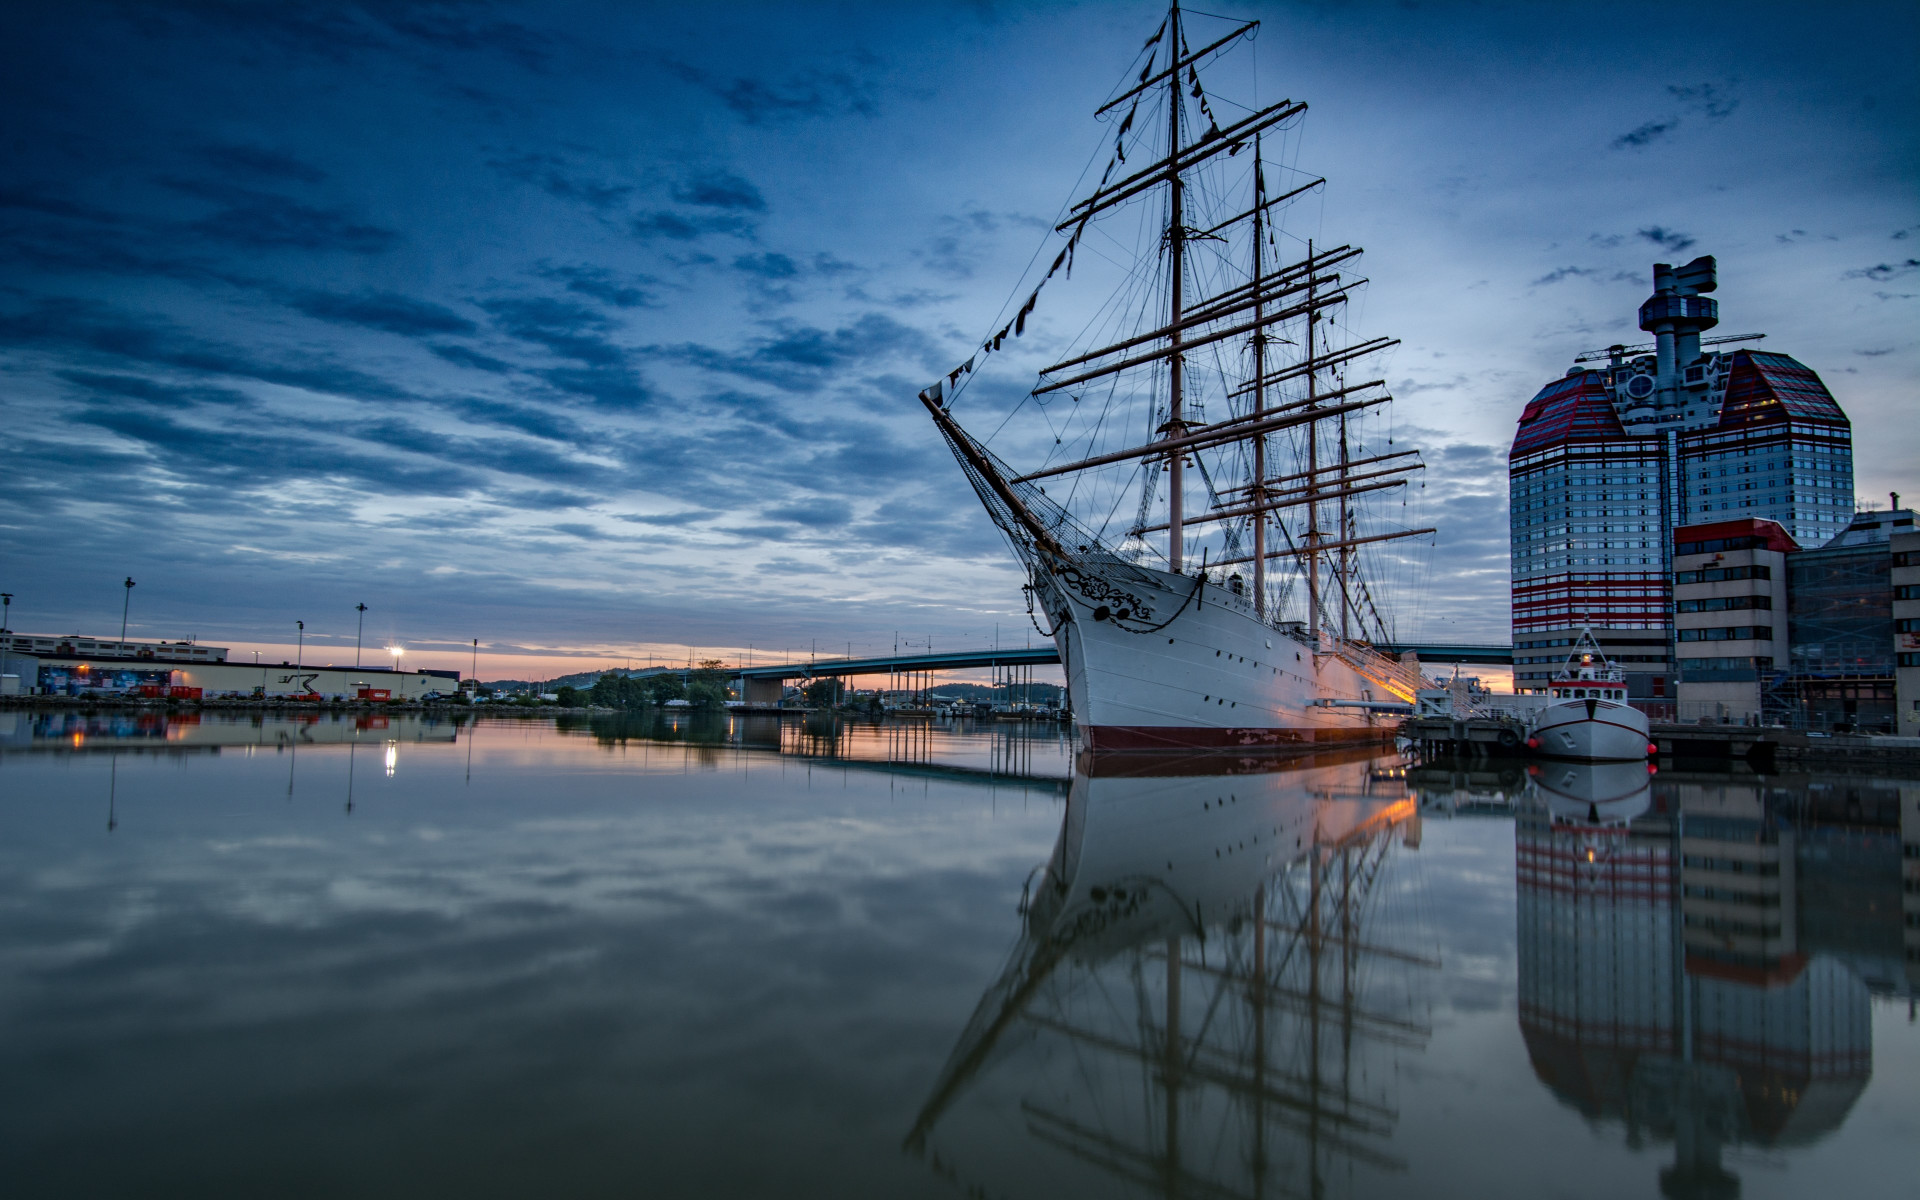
(1176, 737)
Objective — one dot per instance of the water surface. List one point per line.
(713, 957)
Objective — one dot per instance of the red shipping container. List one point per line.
(151, 691)
(178, 692)
(376, 693)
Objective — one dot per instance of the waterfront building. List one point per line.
(1611, 458)
(1904, 577)
(1767, 632)
(1730, 616)
(1840, 630)
(77, 665)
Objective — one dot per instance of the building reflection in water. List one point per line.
(1211, 980)
(1697, 954)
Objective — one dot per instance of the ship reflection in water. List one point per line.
(1210, 981)
(683, 954)
(1696, 956)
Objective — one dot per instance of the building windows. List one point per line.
(1759, 662)
(1722, 574)
(1723, 603)
(1729, 633)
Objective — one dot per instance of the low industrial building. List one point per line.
(77, 665)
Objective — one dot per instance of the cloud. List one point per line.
(65, 324)
(266, 221)
(767, 266)
(1884, 271)
(661, 223)
(566, 329)
(133, 387)
(720, 189)
(816, 513)
(1646, 134)
(1705, 99)
(548, 498)
(384, 311)
(463, 357)
(687, 517)
(612, 387)
(799, 356)
(1667, 239)
(459, 27)
(259, 163)
(537, 421)
(1875, 353)
(555, 176)
(1564, 273)
(812, 93)
(602, 285)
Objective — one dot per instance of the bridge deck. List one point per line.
(957, 660)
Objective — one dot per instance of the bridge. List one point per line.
(956, 660)
(762, 684)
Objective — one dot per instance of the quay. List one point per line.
(1762, 747)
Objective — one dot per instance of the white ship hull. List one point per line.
(1590, 731)
(1199, 670)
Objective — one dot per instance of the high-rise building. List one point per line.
(1609, 459)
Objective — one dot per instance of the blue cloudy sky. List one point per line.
(590, 330)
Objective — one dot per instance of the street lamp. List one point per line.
(6, 607)
(300, 653)
(358, 630)
(124, 604)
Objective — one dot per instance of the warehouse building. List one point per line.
(77, 665)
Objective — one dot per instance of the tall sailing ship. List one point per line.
(1215, 356)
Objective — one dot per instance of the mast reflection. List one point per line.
(1208, 981)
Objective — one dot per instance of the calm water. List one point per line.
(369, 958)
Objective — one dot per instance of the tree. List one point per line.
(570, 696)
(824, 692)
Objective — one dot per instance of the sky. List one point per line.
(593, 331)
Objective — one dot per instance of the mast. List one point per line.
(1346, 535)
(1313, 470)
(1259, 490)
(1176, 236)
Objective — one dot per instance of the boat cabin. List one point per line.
(1588, 680)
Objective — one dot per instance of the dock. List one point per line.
(1765, 748)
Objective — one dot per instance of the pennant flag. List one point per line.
(1020, 322)
(932, 394)
(1148, 69)
(1128, 123)
(1155, 39)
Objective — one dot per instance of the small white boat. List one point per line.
(1587, 716)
